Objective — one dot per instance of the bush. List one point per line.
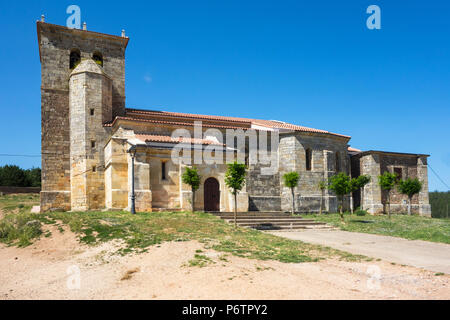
(439, 202)
(20, 229)
(33, 177)
(361, 212)
(13, 176)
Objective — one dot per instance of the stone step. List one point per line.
(256, 223)
(252, 213)
(157, 209)
(287, 228)
(243, 216)
(271, 221)
(275, 220)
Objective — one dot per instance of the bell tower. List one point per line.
(61, 51)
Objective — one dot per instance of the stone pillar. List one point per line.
(422, 175)
(370, 165)
(142, 191)
(288, 161)
(185, 191)
(116, 174)
(242, 200)
(330, 200)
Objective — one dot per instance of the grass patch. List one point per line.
(139, 232)
(18, 225)
(403, 226)
(18, 203)
(200, 261)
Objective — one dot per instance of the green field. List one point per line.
(404, 226)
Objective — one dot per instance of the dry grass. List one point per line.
(129, 274)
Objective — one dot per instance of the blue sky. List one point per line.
(312, 63)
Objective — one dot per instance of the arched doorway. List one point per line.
(211, 195)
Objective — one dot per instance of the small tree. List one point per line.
(33, 177)
(235, 181)
(291, 181)
(192, 178)
(387, 182)
(341, 185)
(359, 184)
(410, 187)
(322, 186)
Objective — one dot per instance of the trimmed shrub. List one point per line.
(360, 212)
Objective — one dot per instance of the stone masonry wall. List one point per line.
(412, 166)
(292, 155)
(263, 190)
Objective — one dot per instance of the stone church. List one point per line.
(90, 139)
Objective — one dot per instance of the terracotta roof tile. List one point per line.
(148, 137)
(186, 115)
(353, 149)
(187, 119)
(110, 124)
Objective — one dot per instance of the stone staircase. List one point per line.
(271, 221)
(159, 209)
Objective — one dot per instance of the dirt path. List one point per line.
(48, 269)
(421, 254)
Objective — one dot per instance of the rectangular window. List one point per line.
(92, 112)
(92, 144)
(399, 173)
(94, 169)
(163, 170)
(308, 159)
(338, 162)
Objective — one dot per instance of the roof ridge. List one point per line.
(274, 124)
(191, 115)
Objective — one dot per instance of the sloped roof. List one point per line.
(174, 118)
(88, 65)
(148, 137)
(350, 149)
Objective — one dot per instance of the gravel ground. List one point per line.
(51, 268)
(417, 253)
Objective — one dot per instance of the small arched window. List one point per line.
(338, 162)
(75, 58)
(98, 58)
(308, 159)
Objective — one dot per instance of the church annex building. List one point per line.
(87, 132)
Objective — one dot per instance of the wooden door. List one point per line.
(211, 195)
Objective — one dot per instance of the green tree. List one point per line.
(12, 176)
(410, 187)
(342, 185)
(322, 186)
(439, 202)
(291, 181)
(33, 177)
(387, 182)
(192, 178)
(235, 181)
(359, 184)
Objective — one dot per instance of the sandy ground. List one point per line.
(417, 253)
(49, 270)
